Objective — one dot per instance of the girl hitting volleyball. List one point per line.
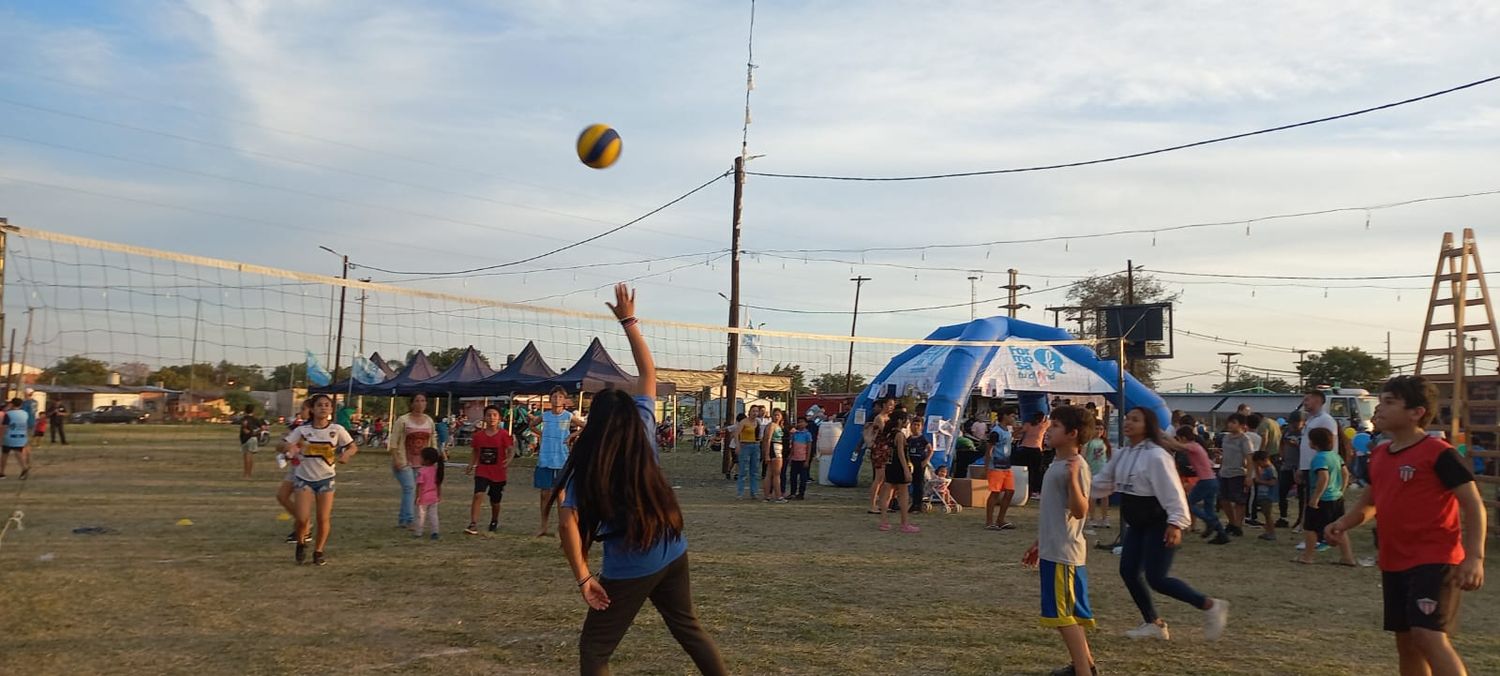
(616, 494)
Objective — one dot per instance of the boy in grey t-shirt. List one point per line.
(1234, 466)
(1060, 550)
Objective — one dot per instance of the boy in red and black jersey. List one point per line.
(1418, 488)
(490, 466)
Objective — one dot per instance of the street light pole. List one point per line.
(859, 283)
(338, 345)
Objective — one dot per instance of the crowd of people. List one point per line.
(604, 478)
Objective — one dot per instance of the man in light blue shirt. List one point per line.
(556, 428)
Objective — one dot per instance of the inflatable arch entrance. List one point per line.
(948, 374)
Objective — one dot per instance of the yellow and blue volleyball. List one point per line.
(599, 146)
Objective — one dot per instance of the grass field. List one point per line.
(801, 588)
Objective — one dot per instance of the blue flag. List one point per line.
(316, 374)
(366, 373)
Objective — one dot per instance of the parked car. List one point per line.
(111, 414)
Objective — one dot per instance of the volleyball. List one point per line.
(599, 146)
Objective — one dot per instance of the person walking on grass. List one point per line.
(772, 446)
(490, 467)
(1265, 492)
(747, 477)
(429, 491)
(17, 437)
(1060, 551)
(612, 490)
(1325, 502)
(1234, 467)
(919, 452)
(998, 474)
(1096, 453)
(57, 414)
(250, 429)
(1155, 512)
(890, 456)
(1432, 527)
(1204, 496)
(869, 435)
(410, 434)
(556, 425)
(289, 480)
(317, 449)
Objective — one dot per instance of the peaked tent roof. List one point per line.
(469, 368)
(525, 371)
(409, 380)
(594, 371)
(385, 368)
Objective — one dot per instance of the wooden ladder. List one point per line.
(1473, 407)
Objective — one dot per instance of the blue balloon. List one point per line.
(1362, 442)
(1281, 421)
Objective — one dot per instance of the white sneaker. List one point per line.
(1301, 546)
(1215, 619)
(1150, 630)
(1089, 531)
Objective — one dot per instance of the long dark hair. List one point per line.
(894, 424)
(433, 456)
(1153, 429)
(615, 479)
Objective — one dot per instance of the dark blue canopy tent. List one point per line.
(410, 380)
(594, 371)
(521, 376)
(470, 368)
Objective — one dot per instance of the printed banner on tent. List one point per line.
(1038, 369)
(920, 372)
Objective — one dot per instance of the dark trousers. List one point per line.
(728, 461)
(671, 593)
(786, 472)
(918, 484)
(799, 475)
(1146, 560)
(56, 427)
(962, 462)
(1031, 459)
(1284, 483)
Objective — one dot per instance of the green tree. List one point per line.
(825, 383)
(285, 376)
(1345, 367)
(799, 379)
(76, 370)
(198, 376)
(133, 373)
(1104, 290)
(238, 399)
(446, 358)
(1249, 380)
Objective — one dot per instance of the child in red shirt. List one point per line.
(489, 466)
(1418, 488)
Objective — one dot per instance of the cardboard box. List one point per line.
(978, 471)
(970, 492)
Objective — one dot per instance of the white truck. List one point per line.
(1351, 407)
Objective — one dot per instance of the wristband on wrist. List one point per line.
(585, 580)
(628, 322)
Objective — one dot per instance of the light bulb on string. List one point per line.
(1367, 220)
(1067, 245)
(1247, 229)
(1153, 241)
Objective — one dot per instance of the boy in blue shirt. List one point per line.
(1266, 482)
(17, 437)
(1325, 501)
(1002, 482)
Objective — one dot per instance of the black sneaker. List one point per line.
(1206, 534)
(1221, 539)
(291, 538)
(1235, 531)
(301, 552)
(1253, 523)
(1070, 671)
(1281, 523)
(318, 559)
(494, 525)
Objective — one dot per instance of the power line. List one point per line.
(1130, 156)
(561, 268)
(925, 308)
(560, 249)
(1243, 222)
(613, 282)
(313, 165)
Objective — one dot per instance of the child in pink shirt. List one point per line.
(429, 493)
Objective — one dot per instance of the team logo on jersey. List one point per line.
(1407, 472)
(1427, 606)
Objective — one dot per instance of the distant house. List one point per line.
(27, 374)
(77, 398)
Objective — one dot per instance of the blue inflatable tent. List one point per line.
(949, 374)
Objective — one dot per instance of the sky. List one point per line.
(439, 136)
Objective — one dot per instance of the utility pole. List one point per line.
(1302, 358)
(364, 295)
(1130, 282)
(732, 362)
(973, 297)
(1011, 306)
(193, 360)
(338, 344)
(4, 230)
(859, 283)
(1228, 364)
(25, 347)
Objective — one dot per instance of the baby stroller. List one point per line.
(937, 493)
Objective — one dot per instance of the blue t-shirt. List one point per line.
(1000, 454)
(1328, 460)
(17, 428)
(440, 428)
(802, 437)
(620, 561)
(556, 427)
(1265, 492)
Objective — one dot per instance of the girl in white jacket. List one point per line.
(1154, 510)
